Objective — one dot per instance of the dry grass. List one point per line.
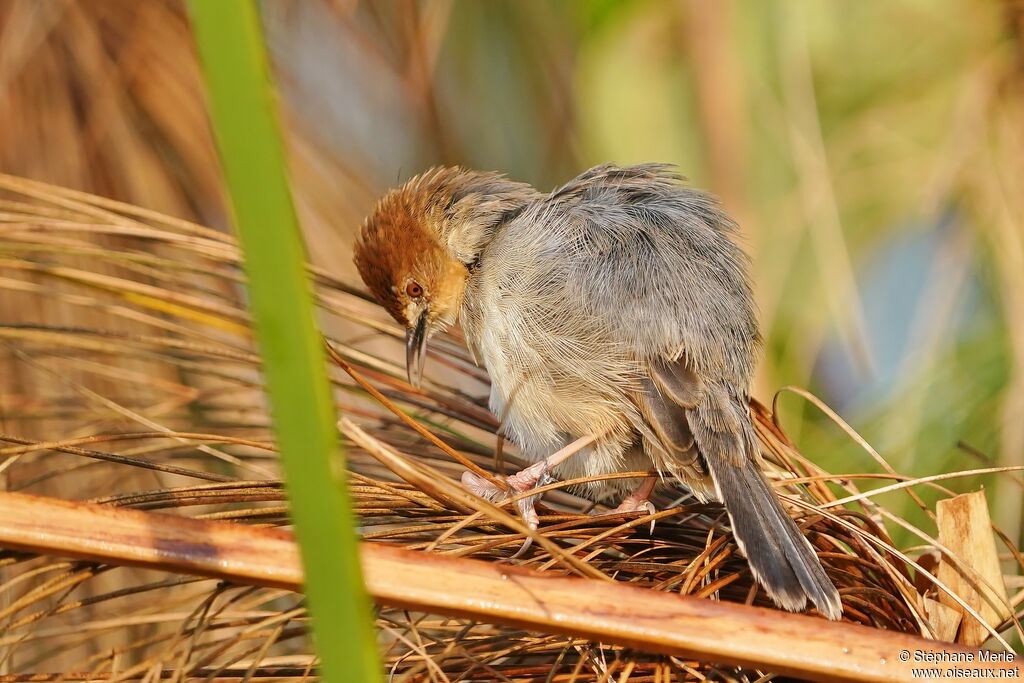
(194, 440)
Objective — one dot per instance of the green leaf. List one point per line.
(241, 98)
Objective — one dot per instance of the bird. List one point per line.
(615, 312)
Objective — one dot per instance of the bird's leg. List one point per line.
(639, 500)
(526, 479)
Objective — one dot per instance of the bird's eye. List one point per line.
(414, 290)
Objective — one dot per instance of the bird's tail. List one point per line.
(780, 557)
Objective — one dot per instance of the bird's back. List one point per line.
(629, 262)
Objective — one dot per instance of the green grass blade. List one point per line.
(230, 41)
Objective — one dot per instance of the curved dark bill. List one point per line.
(416, 349)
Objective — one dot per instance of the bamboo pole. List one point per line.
(612, 613)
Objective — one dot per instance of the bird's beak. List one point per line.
(416, 349)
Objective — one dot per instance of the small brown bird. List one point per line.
(615, 309)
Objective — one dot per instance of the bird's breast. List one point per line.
(543, 388)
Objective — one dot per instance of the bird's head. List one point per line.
(417, 248)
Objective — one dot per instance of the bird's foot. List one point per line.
(521, 482)
(638, 501)
(525, 480)
(632, 504)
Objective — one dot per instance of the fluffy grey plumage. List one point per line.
(618, 304)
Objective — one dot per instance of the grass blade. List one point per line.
(230, 41)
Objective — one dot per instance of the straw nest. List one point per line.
(158, 405)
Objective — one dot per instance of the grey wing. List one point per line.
(663, 398)
(655, 261)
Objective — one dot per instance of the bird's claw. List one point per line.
(529, 513)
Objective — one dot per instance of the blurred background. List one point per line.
(872, 152)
